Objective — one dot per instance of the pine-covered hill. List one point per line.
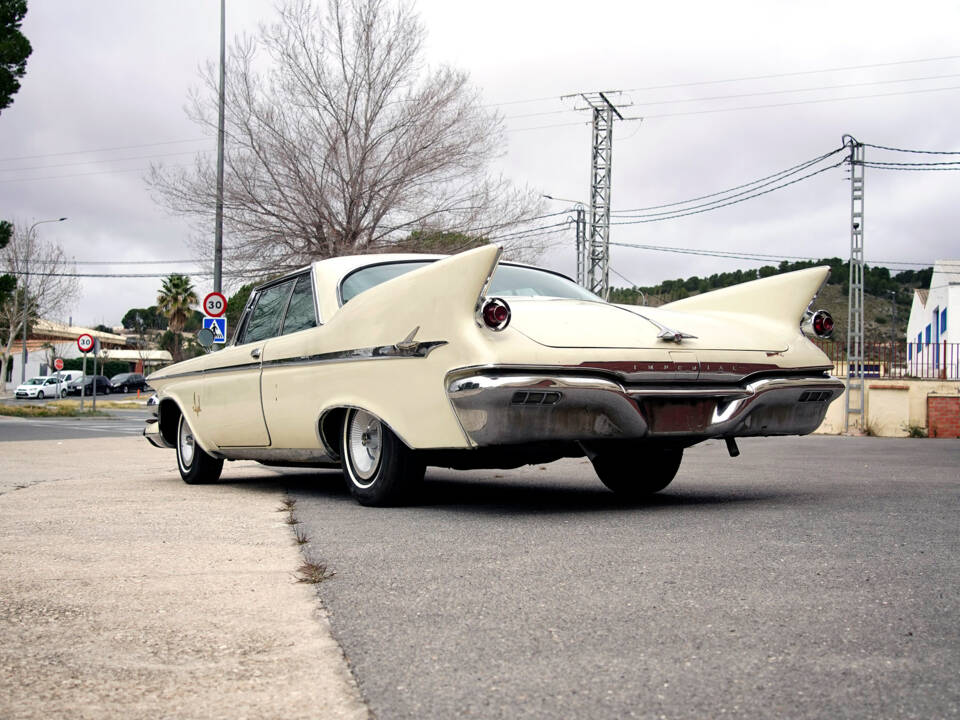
(877, 301)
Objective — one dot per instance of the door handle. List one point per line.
(255, 353)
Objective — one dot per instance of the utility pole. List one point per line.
(581, 246)
(893, 329)
(596, 268)
(855, 348)
(26, 287)
(218, 229)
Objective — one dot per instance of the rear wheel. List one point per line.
(635, 472)
(379, 468)
(196, 466)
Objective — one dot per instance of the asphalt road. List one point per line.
(118, 424)
(811, 577)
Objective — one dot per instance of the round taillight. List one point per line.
(822, 324)
(496, 314)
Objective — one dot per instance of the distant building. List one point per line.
(933, 332)
(48, 338)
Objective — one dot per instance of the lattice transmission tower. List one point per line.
(855, 351)
(595, 261)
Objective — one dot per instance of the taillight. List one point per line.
(822, 324)
(495, 313)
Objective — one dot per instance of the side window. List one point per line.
(301, 313)
(265, 319)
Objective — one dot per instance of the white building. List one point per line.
(933, 332)
(49, 339)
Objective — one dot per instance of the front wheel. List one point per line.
(379, 469)
(40, 395)
(63, 393)
(636, 471)
(196, 466)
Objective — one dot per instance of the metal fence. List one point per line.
(922, 361)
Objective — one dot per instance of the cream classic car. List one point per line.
(386, 364)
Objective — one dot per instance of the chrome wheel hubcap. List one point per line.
(364, 445)
(186, 444)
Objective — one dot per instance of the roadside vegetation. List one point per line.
(48, 410)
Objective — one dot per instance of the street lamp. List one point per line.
(26, 284)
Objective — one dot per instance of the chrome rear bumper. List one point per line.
(500, 408)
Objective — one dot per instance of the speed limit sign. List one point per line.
(85, 343)
(214, 304)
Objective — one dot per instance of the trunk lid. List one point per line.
(580, 324)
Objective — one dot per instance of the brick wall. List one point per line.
(943, 416)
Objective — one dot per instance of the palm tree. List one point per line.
(175, 298)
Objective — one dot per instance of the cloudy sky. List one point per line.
(729, 92)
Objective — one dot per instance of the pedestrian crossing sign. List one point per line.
(218, 326)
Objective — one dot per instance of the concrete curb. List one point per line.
(125, 593)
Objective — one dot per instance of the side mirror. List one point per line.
(205, 338)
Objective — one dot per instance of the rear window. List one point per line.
(508, 281)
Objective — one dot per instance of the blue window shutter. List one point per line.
(943, 320)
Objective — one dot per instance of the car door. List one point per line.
(230, 409)
(290, 381)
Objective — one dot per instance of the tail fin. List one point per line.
(782, 298)
(429, 298)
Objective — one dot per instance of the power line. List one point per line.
(794, 74)
(800, 102)
(916, 164)
(106, 160)
(99, 150)
(771, 76)
(73, 175)
(755, 184)
(921, 152)
(783, 92)
(876, 166)
(640, 219)
(754, 257)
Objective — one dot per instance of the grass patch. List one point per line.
(314, 573)
(300, 535)
(915, 431)
(48, 410)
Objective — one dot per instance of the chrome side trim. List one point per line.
(404, 349)
(302, 455)
(587, 408)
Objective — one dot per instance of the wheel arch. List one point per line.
(168, 417)
(330, 427)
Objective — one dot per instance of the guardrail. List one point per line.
(922, 361)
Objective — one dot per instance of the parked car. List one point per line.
(128, 382)
(86, 383)
(68, 376)
(42, 386)
(385, 364)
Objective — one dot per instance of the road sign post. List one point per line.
(214, 307)
(214, 304)
(58, 366)
(218, 326)
(86, 343)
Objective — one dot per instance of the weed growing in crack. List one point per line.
(314, 573)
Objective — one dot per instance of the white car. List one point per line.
(42, 386)
(386, 364)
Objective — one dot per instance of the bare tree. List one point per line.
(39, 268)
(340, 140)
